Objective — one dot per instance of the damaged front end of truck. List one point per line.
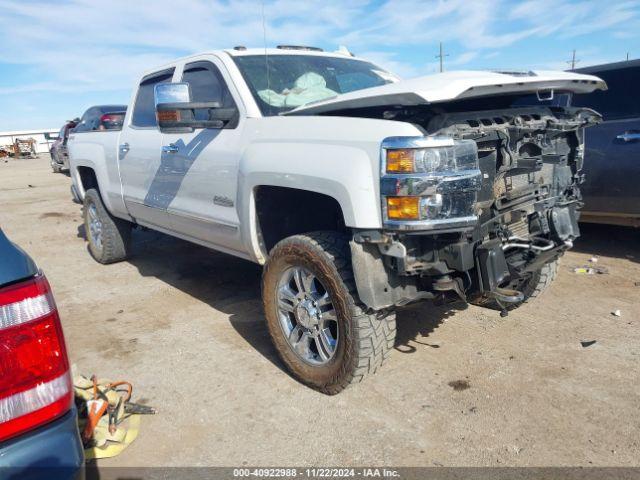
(485, 200)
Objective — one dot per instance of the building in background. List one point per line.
(43, 138)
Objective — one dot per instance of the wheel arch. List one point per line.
(87, 179)
(281, 212)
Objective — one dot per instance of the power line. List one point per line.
(441, 57)
(573, 60)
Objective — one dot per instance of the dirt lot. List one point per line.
(185, 325)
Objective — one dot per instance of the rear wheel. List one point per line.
(531, 286)
(55, 166)
(109, 237)
(314, 317)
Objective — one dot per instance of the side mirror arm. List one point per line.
(182, 115)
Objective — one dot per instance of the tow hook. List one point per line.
(504, 296)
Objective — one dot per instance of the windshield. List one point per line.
(296, 80)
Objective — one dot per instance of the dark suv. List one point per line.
(38, 431)
(612, 149)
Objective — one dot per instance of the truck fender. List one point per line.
(344, 173)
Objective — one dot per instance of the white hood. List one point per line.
(453, 86)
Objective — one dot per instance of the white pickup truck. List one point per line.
(358, 192)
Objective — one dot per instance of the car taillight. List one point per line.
(110, 120)
(35, 385)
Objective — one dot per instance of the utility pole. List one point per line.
(441, 57)
(573, 60)
(627, 56)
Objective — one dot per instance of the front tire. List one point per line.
(109, 237)
(314, 316)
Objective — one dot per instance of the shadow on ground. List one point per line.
(609, 241)
(232, 286)
(417, 322)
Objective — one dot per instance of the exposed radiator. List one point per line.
(520, 228)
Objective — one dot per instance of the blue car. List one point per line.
(39, 436)
(612, 149)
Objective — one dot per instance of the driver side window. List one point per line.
(207, 85)
(144, 110)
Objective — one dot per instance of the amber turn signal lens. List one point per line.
(403, 208)
(168, 116)
(400, 161)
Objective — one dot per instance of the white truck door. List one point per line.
(139, 156)
(202, 166)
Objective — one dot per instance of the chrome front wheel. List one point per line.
(307, 316)
(314, 316)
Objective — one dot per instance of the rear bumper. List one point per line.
(53, 451)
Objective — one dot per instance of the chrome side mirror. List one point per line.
(176, 112)
(173, 93)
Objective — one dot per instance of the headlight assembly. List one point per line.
(463, 154)
(429, 183)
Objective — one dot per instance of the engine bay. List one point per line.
(526, 155)
(530, 157)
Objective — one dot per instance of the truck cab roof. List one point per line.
(244, 52)
(293, 50)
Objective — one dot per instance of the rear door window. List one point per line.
(144, 110)
(620, 101)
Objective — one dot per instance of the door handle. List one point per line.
(124, 147)
(628, 136)
(171, 148)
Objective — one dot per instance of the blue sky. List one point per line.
(58, 58)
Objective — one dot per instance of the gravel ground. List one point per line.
(464, 386)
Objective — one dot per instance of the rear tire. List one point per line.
(532, 287)
(54, 164)
(358, 342)
(109, 237)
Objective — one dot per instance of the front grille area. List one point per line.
(512, 184)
